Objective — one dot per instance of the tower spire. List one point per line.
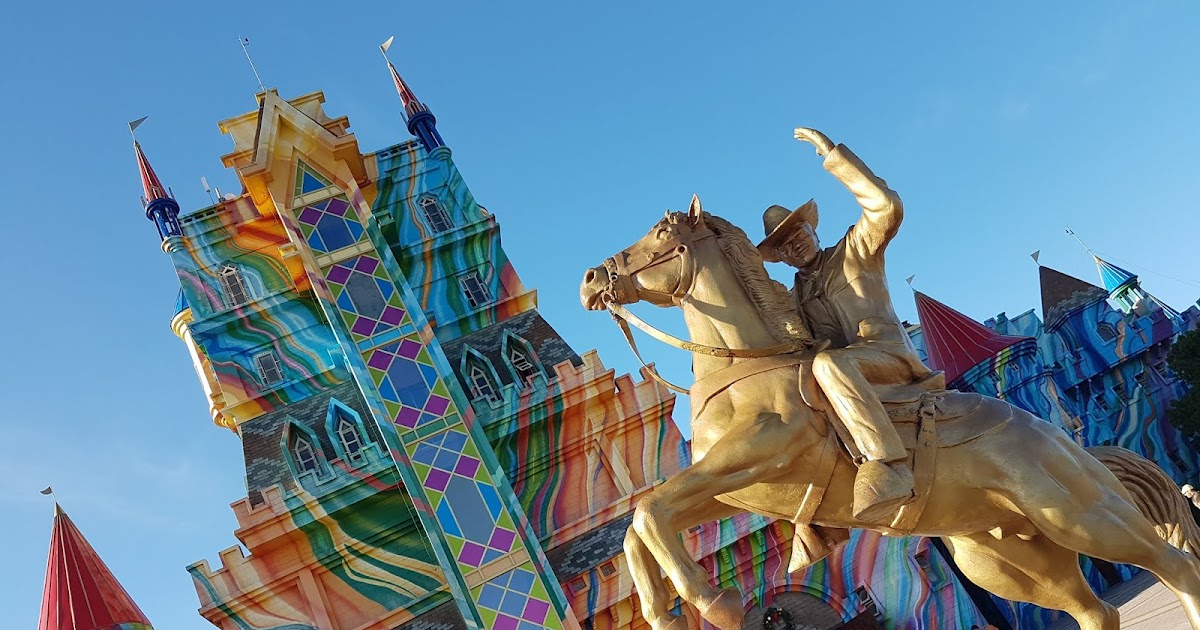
(420, 120)
(80, 592)
(160, 204)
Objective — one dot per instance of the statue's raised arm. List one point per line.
(882, 209)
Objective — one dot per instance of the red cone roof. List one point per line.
(954, 342)
(80, 592)
(151, 187)
(411, 104)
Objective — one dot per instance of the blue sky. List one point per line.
(998, 123)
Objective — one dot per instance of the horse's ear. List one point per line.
(695, 212)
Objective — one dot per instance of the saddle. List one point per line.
(928, 417)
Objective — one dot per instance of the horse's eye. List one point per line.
(662, 233)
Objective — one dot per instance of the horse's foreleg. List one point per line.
(758, 454)
(647, 577)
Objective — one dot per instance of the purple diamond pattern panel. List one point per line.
(330, 225)
(412, 390)
(515, 601)
(366, 297)
(467, 505)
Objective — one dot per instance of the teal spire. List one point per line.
(1114, 278)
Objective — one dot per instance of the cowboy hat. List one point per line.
(779, 224)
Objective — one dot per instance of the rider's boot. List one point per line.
(881, 488)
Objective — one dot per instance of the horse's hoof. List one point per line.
(726, 611)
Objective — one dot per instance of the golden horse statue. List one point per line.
(1015, 500)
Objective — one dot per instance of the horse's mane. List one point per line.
(772, 300)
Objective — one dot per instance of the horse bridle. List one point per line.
(620, 288)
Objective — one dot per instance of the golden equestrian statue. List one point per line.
(790, 426)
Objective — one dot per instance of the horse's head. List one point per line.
(658, 268)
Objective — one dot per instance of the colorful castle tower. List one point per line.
(421, 447)
(1094, 364)
(80, 592)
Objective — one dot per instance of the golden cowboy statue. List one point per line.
(843, 295)
(812, 407)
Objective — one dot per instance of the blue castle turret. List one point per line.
(421, 122)
(1125, 292)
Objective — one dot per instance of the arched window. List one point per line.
(303, 452)
(351, 441)
(481, 383)
(435, 215)
(233, 286)
(1106, 331)
(522, 360)
(521, 363)
(305, 455)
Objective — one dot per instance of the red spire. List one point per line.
(153, 189)
(411, 104)
(80, 592)
(954, 342)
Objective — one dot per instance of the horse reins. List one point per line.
(620, 285)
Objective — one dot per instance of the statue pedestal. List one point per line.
(1145, 604)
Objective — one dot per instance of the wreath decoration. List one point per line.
(776, 617)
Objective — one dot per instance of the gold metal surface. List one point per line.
(1015, 500)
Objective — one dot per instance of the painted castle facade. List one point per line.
(423, 450)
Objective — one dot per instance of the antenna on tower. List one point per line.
(1075, 236)
(244, 42)
(207, 189)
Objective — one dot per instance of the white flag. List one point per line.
(1035, 255)
(388, 44)
(134, 125)
(910, 279)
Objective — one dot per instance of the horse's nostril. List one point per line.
(590, 277)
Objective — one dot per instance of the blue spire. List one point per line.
(421, 122)
(1114, 278)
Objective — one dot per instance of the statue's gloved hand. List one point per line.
(819, 140)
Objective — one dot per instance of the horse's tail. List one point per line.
(1155, 494)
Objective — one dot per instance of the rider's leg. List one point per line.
(884, 482)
